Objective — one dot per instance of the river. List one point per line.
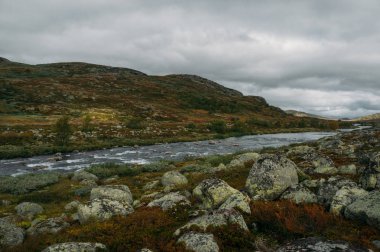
(151, 153)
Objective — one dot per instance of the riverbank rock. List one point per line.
(10, 234)
(173, 179)
(345, 196)
(365, 209)
(28, 210)
(316, 244)
(84, 175)
(216, 218)
(102, 209)
(213, 192)
(243, 159)
(51, 226)
(76, 247)
(119, 193)
(270, 176)
(199, 242)
(299, 194)
(170, 201)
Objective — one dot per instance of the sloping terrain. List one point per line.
(110, 106)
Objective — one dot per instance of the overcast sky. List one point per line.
(317, 56)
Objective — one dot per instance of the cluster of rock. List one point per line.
(215, 203)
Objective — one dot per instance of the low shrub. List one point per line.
(110, 169)
(27, 183)
(157, 166)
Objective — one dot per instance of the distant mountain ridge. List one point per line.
(373, 117)
(304, 114)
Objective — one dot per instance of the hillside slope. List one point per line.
(111, 106)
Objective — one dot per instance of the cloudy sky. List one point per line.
(317, 56)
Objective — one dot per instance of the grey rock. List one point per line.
(241, 160)
(365, 209)
(112, 192)
(173, 179)
(270, 176)
(84, 175)
(345, 196)
(88, 183)
(199, 242)
(213, 192)
(151, 185)
(301, 150)
(76, 247)
(315, 244)
(102, 209)
(347, 169)
(216, 218)
(29, 209)
(170, 201)
(237, 201)
(10, 234)
(73, 205)
(52, 226)
(328, 189)
(299, 194)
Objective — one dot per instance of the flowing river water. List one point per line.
(151, 153)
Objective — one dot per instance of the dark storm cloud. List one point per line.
(317, 56)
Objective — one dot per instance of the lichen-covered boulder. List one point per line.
(270, 176)
(119, 193)
(347, 169)
(299, 194)
(365, 209)
(213, 192)
(170, 201)
(199, 242)
(28, 209)
(241, 160)
(102, 209)
(370, 179)
(173, 179)
(216, 218)
(345, 196)
(76, 247)
(329, 170)
(316, 244)
(151, 185)
(84, 175)
(237, 201)
(10, 234)
(73, 205)
(301, 150)
(327, 190)
(51, 226)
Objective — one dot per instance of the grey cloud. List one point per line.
(277, 49)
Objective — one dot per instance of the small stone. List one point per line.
(76, 247)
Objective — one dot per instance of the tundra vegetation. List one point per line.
(322, 194)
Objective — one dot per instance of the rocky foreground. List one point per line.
(320, 196)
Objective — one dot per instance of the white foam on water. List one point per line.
(125, 152)
(47, 164)
(70, 161)
(136, 161)
(19, 172)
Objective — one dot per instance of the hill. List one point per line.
(111, 106)
(373, 117)
(304, 114)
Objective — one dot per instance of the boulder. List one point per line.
(345, 196)
(151, 185)
(316, 244)
(29, 209)
(199, 242)
(270, 176)
(328, 189)
(301, 150)
(51, 226)
(173, 179)
(102, 209)
(119, 193)
(10, 234)
(213, 192)
(365, 209)
(370, 179)
(329, 170)
(216, 218)
(347, 169)
(324, 165)
(76, 247)
(299, 194)
(73, 205)
(241, 160)
(237, 201)
(170, 201)
(84, 175)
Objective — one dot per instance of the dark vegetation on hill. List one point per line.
(111, 106)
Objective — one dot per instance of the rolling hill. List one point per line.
(111, 106)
